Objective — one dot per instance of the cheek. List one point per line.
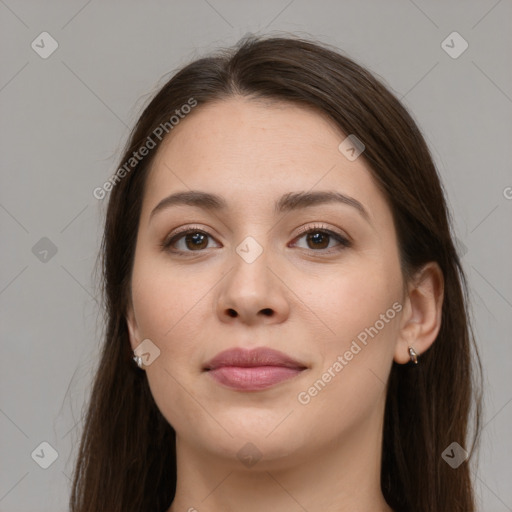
(349, 382)
(362, 307)
(169, 310)
(173, 309)
(164, 301)
(354, 298)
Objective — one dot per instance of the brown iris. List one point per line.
(317, 238)
(198, 241)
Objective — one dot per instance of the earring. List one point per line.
(413, 355)
(138, 360)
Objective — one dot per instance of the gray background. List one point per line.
(64, 120)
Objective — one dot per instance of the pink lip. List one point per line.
(252, 370)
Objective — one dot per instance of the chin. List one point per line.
(260, 453)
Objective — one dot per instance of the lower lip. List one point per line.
(253, 378)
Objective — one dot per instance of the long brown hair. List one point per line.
(126, 460)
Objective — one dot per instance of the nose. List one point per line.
(253, 293)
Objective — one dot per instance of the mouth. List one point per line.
(252, 370)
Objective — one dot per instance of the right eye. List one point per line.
(191, 240)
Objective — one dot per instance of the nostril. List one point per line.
(267, 311)
(232, 312)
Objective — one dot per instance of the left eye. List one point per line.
(321, 238)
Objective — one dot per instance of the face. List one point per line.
(317, 280)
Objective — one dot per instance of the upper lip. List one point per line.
(262, 356)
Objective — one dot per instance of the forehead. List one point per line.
(252, 150)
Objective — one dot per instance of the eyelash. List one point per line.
(344, 243)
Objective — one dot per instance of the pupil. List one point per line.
(317, 237)
(196, 238)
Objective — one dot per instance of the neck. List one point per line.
(341, 476)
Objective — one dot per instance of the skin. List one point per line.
(303, 298)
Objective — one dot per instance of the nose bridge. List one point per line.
(251, 289)
(250, 250)
(251, 260)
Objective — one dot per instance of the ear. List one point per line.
(133, 329)
(421, 319)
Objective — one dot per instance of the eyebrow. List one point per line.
(286, 203)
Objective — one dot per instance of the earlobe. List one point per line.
(421, 320)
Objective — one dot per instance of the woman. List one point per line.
(287, 321)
